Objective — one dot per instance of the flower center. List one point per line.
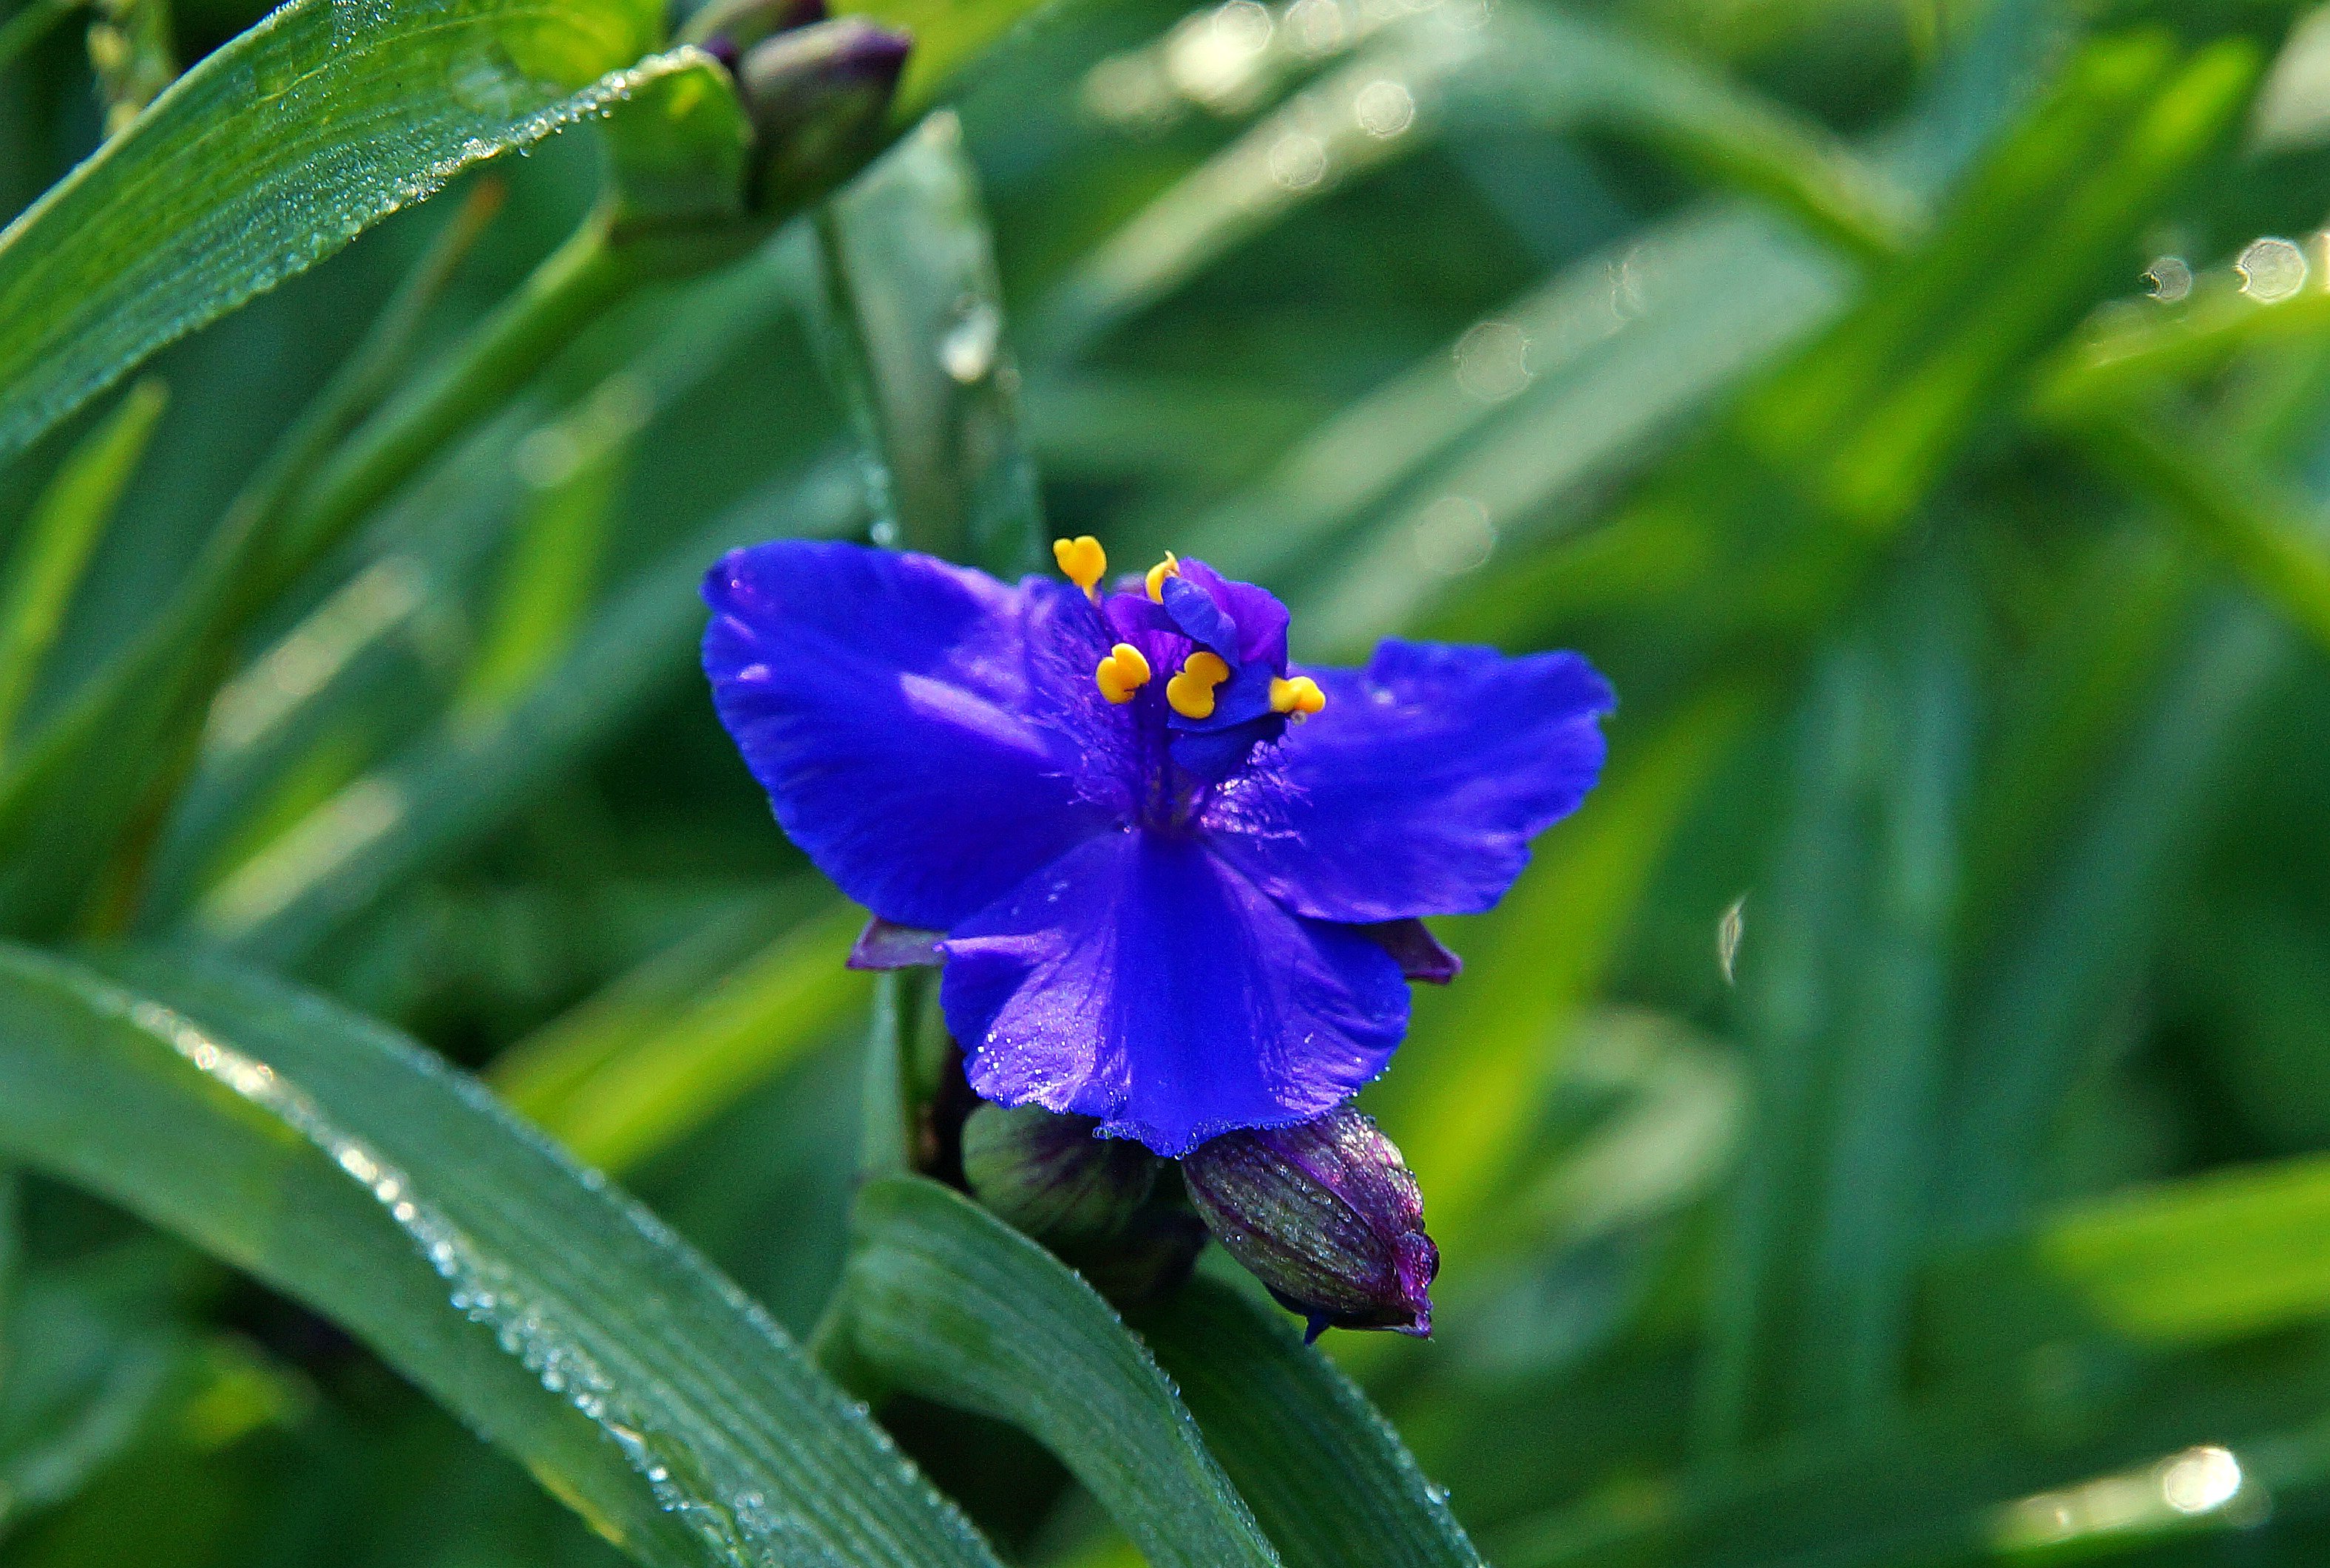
(1083, 562)
(1191, 693)
(1300, 697)
(1196, 662)
(1155, 579)
(1125, 672)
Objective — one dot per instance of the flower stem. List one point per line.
(574, 287)
(886, 1144)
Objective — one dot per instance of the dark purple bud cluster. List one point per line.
(816, 89)
(1325, 1214)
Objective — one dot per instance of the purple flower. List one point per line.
(1178, 879)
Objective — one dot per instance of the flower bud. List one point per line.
(1049, 1177)
(725, 28)
(1327, 1215)
(817, 96)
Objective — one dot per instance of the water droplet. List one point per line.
(483, 79)
(2169, 278)
(1384, 109)
(1298, 160)
(549, 456)
(968, 351)
(1317, 27)
(1454, 536)
(2200, 1479)
(2271, 268)
(1727, 933)
(1492, 360)
(1628, 276)
(1214, 58)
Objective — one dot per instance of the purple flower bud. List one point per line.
(817, 96)
(725, 28)
(1325, 1214)
(1051, 1176)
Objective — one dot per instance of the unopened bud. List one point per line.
(817, 96)
(725, 28)
(1049, 1177)
(1327, 1215)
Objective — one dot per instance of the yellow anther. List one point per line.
(1300, 696)
(1121, 674)
(1168, 567)
(1191, 693)
(1082, 559)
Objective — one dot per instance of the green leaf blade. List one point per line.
(272, 154)
(59, 539)
(330, 1157)
(950, 1301)
(1325, 1473)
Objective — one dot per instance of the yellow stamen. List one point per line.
(1300, 696)
(1121, 674)
(1083, 560)
(1168, 567)
(1191, 693)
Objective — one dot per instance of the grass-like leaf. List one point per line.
(914, 326)
(951, 1302)
(269, 155)
(346, 1166)
(626, 1088)
(1327, 1475)
(463, 779)
(47, 564)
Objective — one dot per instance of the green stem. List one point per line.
(362, 383)
(887, 1146)
(840, 342)
(581, 281)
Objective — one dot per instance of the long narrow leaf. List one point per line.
(54, 548)
(916, 322)
(1327, 1475)
(2095, 918)
(461, 782)
(1515, 69)
(270, 155)
(658, 1085)
(948, 1300)
(346, 1166)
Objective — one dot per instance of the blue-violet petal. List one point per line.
(1142, 982)
(1417, 790)
(915, 723)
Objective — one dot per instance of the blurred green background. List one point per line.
(1890, 1124)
